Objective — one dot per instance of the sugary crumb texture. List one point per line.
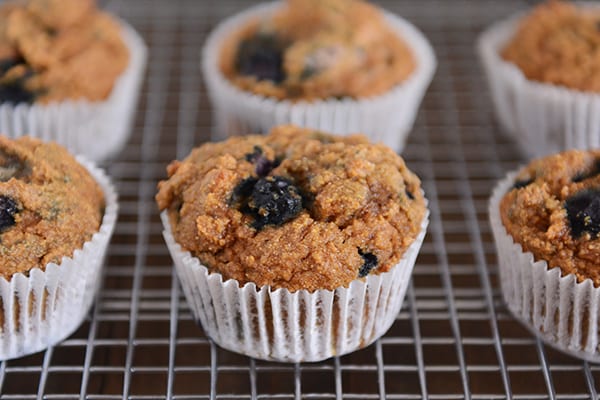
(553, 211)
(49, 205)
(54, 50)
(559, 43)
(317, 49)
(295, 209)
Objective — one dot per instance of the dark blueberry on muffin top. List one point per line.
(261, 56)
(583, 212)
(14, 92)
(521, 183)
(270, 200)
(263, 166)
(590, 173)
(370, 262)
(12, 167)
(8, 210)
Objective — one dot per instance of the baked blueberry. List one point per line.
(12, 167)
(592, 172)
(409, 194)
(521, 183)
(8, 209)
(263, 165)
(242, 191)
(271, 200)
(257, 152)
(261, 56)
(274, 201)
(8, 63)
(583, 212)
(369, 262)
(14, 91)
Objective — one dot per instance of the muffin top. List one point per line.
(295, 209)
(49, 205)
(553, 211)
(53, 50)
(317, 49)
(558, 43)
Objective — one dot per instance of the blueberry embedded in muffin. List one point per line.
(370, 262)
(261, 56)
(583, 211)
(14, 88)
(269, 200)
(8, 209)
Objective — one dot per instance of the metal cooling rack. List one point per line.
(453, 338)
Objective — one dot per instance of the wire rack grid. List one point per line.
(453, 338)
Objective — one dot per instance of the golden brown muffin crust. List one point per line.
(559, 43)
(49, 205)
(59, 49)
(360, 205)
(553, 211)
(331, 48)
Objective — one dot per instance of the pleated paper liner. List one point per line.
(278, 325)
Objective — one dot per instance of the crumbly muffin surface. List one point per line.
(53, 50)
(559, 43)
(553, 211)
(295, 209)
(317, 49)
(49, 205)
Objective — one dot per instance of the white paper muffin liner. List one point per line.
(96, 130)
(386, 118)
(47, 306)
(557, 309)
(278, 325)
(543, 118)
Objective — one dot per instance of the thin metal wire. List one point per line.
(297, 382)
(545, 369)
(44, 374)
(252, 373)
(414, 319)
(338, 379)
(589, 380)
(213, 371)
(89, 349)
(380, 370)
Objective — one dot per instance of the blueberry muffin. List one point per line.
(55, 50)
(314, 49)
(294, 246)
(49, 205)
(296, 209)
(546, 223)
(557, 43)
(553, 211)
